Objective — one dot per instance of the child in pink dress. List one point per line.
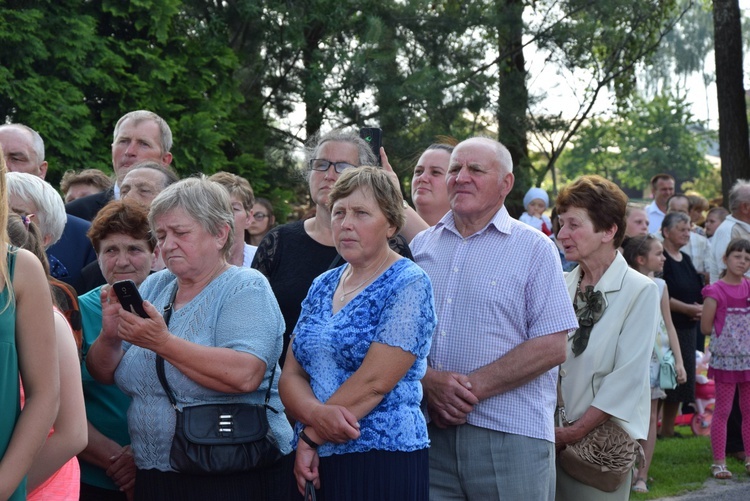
(726, 317)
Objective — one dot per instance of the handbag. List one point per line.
(602, 459)
(667, 371)
(216, 439)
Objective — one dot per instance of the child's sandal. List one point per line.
(720, 471)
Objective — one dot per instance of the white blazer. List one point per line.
(612, 374)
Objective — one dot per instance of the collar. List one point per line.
(501, 221)
(734, 220)
(653, 208)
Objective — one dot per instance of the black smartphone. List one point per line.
(374, 137)
(129, 297)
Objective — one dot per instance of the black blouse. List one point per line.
(685, 284)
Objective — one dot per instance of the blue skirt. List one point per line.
(375, 476)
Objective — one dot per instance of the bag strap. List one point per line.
(309, 491)
(160, 361)
(657, 348)
(560, 414)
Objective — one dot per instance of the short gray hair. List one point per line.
(502, 154)
(738, 194)
(169, 175)
(365, 153)
(51, 209)
(138, 116)
(205, 201)
(37, 143)
(672, 219)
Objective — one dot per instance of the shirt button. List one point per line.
(440, 366)
(449, 300)
(442, 333)
(494, 282)
(455, 269)
(563, 373)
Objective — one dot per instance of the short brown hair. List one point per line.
(237, 186)
(127, 217)
(375, 181)
(604, 202)
(93, 177)
(659, 177)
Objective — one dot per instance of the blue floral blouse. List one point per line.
(397, 309)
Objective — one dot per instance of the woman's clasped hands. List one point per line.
(328, 423)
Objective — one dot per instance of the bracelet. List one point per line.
(307, 439)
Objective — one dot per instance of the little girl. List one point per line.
(645, 254)
(726, 317)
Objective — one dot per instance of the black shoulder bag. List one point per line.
(217, 439)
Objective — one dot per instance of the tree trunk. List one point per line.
(513, 98)
(733, 130)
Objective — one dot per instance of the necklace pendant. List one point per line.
(341, 299)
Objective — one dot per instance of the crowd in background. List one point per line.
(440, 351)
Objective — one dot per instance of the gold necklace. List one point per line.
(344, 293)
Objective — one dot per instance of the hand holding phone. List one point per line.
(374, 137)
(129, 297)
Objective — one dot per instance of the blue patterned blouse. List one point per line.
(397, 309)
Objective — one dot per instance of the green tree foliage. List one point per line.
(244, 83)
(72, 68)
(599, 45)
(654, 136)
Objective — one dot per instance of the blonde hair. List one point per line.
(4, 272)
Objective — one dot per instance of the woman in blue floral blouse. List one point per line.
(352, 378)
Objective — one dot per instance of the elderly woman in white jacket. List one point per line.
(605, 375)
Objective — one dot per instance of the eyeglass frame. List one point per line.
(336, 165)
(263, 216)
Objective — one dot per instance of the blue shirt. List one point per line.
(397, 309)
(236, 310)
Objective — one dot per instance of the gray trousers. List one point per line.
(478, 464)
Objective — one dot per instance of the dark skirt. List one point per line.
(375, 476)
(267, 484)
(685, 392)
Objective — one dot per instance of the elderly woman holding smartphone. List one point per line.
(352, 377)
(221, 345)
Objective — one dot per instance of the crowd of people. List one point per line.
(377, 351)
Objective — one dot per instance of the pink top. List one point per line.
(727, 296)
(63, 485)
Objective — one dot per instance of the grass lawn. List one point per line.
(683, 464)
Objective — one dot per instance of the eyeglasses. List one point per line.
(259, 216)
(323, 165)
